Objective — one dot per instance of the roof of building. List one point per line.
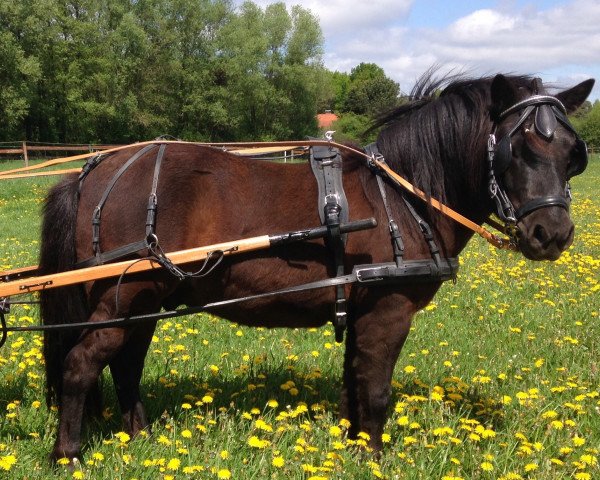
(326, 119)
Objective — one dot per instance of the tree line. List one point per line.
(126, 70)
(117, 71)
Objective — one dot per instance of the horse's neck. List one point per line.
(470, 201)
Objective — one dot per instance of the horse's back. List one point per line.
(204, 196)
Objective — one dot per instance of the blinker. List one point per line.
(580, 163)
(545, 121)
(503, 155)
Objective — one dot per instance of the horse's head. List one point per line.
(533, 152)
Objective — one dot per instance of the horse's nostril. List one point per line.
(539, 233)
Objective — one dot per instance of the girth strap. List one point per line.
(326, 164)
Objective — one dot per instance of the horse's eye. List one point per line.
(579, 159)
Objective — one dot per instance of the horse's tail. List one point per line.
(66, 304)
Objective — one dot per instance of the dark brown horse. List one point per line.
(206, 196)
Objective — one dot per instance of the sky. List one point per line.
(557, 40)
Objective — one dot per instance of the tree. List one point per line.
(588, 126)
(272, 63)
(123, 70)
(18, 74)
(370, 91)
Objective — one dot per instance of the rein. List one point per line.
(372, 160)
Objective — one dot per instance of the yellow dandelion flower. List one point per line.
(441, 431)
(402, 421)
(530, 467)
(278, 462)
(174, 464)
(7, 462)
(256, 442)
(224, 454)
(487, 466)
(272, 403)
(578, 441)
(98, 456)
(122, 437)
(224, 474)
(588, 459)
(410, 369)
(557, 425)
(583, 476)
(78, 475)
(186, 433)
(335, 431)
(549, 414)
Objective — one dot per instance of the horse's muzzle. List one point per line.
(545, 234)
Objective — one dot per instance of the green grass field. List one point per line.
(498, 380)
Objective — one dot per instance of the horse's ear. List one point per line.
(504, 94)
(574, 97)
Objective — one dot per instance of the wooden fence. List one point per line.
(24, 148)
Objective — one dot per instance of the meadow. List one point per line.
(498, 380)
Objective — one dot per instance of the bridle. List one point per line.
(548, 111)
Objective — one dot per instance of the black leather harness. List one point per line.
(326, 164)
(100, 257)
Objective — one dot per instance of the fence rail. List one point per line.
(25, 147)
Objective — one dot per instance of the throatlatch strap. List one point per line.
(326, 164)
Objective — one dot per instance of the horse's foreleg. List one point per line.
(81, 370)
(373, 344)
(126, 369)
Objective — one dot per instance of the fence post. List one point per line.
(25, 158)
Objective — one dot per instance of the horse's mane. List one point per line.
(436, 137)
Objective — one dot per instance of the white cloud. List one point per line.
(560, 43)
(348, 18)
(480, 25)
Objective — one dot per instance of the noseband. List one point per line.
(549, 111)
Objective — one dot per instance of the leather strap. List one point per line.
(98, 210)
(397, 243)
(487, 235)
(537, 203)
(326, 164)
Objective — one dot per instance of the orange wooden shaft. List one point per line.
(71, 277)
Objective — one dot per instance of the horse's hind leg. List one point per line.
(126, 369)
(98, 348)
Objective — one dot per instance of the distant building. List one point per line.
(326, 119)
